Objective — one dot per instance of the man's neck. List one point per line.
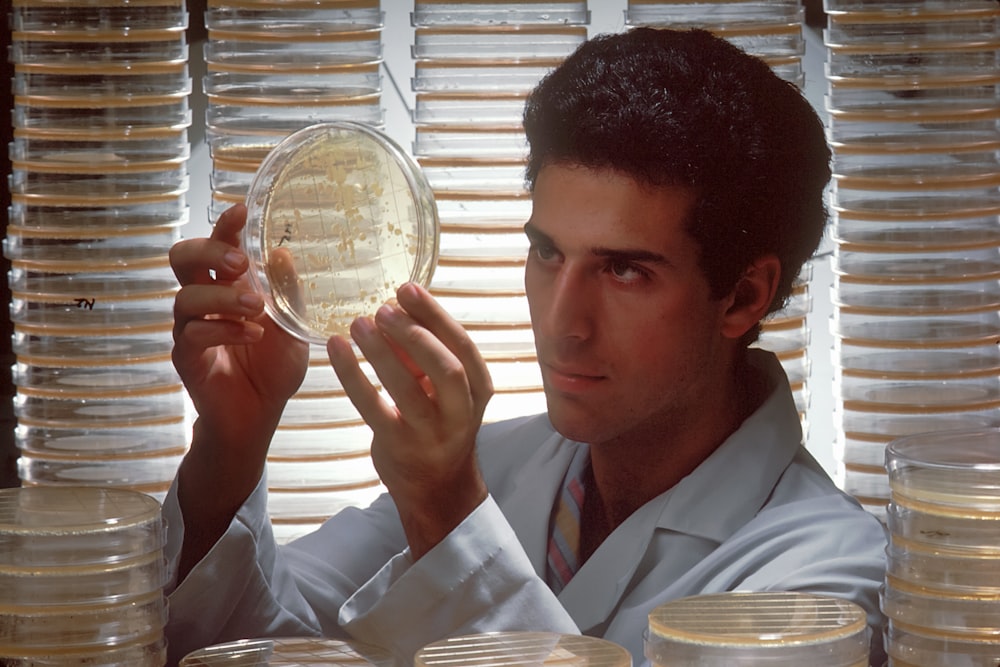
(632, 470)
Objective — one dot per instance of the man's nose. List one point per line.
(571, 305)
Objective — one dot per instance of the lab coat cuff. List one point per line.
(406, 589)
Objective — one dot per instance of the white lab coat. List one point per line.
(758, 514)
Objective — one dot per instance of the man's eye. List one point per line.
(543, 251)
(626, 271)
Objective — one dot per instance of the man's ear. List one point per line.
(752, 296)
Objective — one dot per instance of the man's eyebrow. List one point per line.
(616, 254)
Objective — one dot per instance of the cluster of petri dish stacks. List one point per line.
(273, 68)
(913, 102)
(474, 64)
(943, 575)
(98, 195)
(81, 578)
(773, 31)
(758, 629)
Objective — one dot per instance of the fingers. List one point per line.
(195, 260)
(424, 360)
(207, 309)
(209, 315)
(424, 309)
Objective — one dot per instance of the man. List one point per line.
(677, 188)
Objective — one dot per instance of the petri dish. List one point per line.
(77, 526)
(523, 649)
(949, 470)
(338, 217)
(758, 628)
(288, 651)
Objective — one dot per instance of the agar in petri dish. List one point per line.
(338, 217)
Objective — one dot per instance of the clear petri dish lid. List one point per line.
(963, 615)
(298, 507)
(330, 473)
(40, 629)
(86, 443)
(148, 651)
(523, 648)
(288, 652)
(951, 469)
(779, 627)
(948, 572)
(95, 382)
(958, 532)
(77, 525)
(98, 350)
(36, 587)
(338, 217)
(912, 645)
(524, 12)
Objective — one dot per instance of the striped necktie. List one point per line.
(564, 530)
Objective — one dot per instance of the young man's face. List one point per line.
(628, 336)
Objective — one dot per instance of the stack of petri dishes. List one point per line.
(474, 64)
(758, 629)
(913, 102)
(274, 67)
(523, 649)
(98, 196)
(289, 652)
(81, 578)
(769, 29)
(942, 583)
(773, 31)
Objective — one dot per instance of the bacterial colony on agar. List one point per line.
(338, 218)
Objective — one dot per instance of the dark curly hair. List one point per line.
(684, 107)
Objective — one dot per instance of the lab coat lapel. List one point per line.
(595, 590)
(530, 503)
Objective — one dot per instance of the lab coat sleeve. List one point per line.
(242, 588)
(354, 578)
(477, 580)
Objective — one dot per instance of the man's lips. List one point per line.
(569, 377)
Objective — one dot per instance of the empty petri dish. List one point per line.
(758, 628)
(522, 649)
(338, 216)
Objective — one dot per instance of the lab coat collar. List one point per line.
(713, 502)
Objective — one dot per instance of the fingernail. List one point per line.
(251, 300)
(363, 327)
(234, 259)
(387, 313)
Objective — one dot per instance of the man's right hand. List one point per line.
(239, 368)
